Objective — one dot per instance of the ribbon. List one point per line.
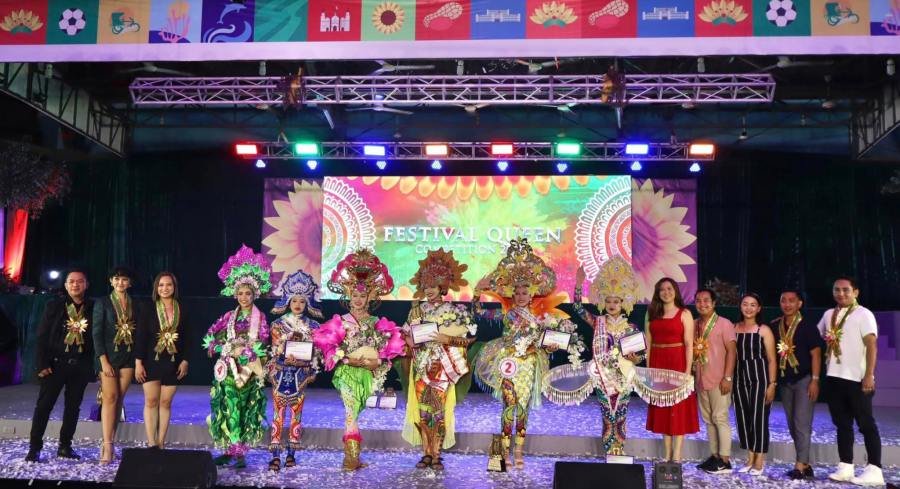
(168, 335)
(786, 347)
(76, 325)
(836, 332)
(701, 344)
(124, 322)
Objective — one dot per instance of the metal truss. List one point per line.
(531, 151)
(876, 119)
(455, 90)
(70, 106)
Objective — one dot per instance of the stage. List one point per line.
(555, 433)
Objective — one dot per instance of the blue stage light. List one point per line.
(312, 164)
(636, 165)
(502, 165)
(695, 167)
(436, 165)
(381, 164)
(260, 164)
(562, 167)
(637, 148)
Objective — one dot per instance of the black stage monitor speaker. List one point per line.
(586, 475)
(667, 475)
(152, 468)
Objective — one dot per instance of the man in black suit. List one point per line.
(65, 358)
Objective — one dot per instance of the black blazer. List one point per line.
(52, 331)
(104, 328)
(147, 334)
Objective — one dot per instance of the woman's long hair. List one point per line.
(155, 292)
(755, 297)
(656, 309)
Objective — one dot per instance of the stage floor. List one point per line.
(555, 432)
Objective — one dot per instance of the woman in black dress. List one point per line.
(114, 325)
(161, 351)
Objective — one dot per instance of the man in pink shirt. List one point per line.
(715, 354)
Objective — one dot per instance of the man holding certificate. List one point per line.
(438, 334)
(293, 363)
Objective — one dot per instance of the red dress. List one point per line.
(681, 418)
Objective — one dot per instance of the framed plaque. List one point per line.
(558, 339)
(423, 332)
(632, 343)
(300, 350)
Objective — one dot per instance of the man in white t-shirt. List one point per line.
(850, 334)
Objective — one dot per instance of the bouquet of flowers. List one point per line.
(530, 333)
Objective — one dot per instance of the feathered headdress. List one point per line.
(521, 266)
(246, 268)
(438, 269)
(361, 271)
(302, 284)
(615, 279)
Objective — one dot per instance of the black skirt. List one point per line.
(163, 370)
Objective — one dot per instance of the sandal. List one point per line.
(106, 455)
(424, 462)
(519, 458)
(438, 464)
(289, 461)
(275, 464)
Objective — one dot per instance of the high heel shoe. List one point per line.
(107, 452)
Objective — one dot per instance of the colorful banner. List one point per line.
(571, 221)
(862, 25)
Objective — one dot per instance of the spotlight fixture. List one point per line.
(501, 149)
(637, 148)
(695, 167)
(702, 149)
(502, 165)
(436, 150)
(381, 164)
(562, 167)
(306, 149)
(568, 149)
(244, 149)
(260, 164)
(436, 165)
(636, 165)
(373, 150)
(312, 164)
(53, 274)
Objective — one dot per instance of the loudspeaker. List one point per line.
(667, 475)
(586, 475)
(153, 468)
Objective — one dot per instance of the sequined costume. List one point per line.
(238, 338)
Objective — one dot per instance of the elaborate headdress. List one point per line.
(246, 268)
(362, 271)
(302, 284)
(438, 269)
(615, 279)
(521, 266)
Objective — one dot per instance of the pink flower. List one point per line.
(395, 343)
(328, 337)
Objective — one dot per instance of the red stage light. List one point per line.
(702, 149)
(246, 149)
(436, 150)
(501, 149)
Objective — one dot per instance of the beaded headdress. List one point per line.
(521, 266)
(300, 284)
(361, 271)
(438, 269)
(246, 268)
(615, 279)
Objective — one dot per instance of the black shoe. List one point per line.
(720, 466)
(706, 464)
(34, 455)
(65, 451)
(808, 473)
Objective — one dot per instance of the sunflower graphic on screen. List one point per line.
(553, 14)
(388, 17)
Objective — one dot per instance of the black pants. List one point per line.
(847, 402)
(72, 374)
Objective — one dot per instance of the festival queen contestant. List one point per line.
(114, 331)
(438, 363)
(237, 401)
(357, 346)
(289, 374)
(513, 366)
(614, 291)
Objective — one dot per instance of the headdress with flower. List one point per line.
(615, 279)
(439, 269)
(300, 284)
(361, 271)
(246, 268)
(519, 267)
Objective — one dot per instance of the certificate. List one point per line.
(300, 350)
(558, 339)
(632, 343)
(423, 332)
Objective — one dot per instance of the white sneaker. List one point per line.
(756, 472)
(747, 468)
(843, 473)
(870, 476)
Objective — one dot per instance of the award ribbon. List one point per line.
(701, 344)
(76, 325)
(124, 322)
(168, 332)
(836, 332)
(786, 346)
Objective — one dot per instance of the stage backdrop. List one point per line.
(571, 221)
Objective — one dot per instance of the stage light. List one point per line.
(53, 274)
(436, 165)
(260, 164)
(502, 165)
(501, 149)
(568, 149)
(562, 167)
(436, 150)
(246, 149)
(702, 149)
(637, 149)
(695, 167)
(306, 149)
(636, 165)
(312, 164)
(381, 164)
(373, 150)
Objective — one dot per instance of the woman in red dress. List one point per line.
(671, 339)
